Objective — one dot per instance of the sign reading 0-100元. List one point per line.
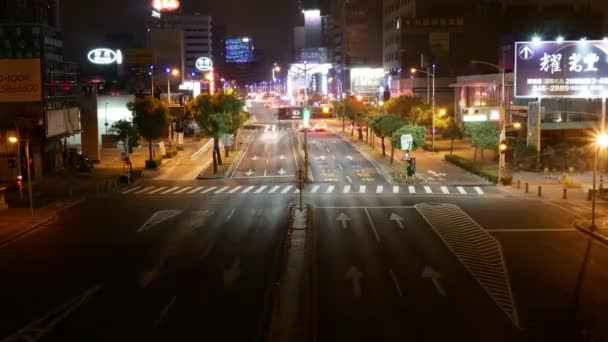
(561, 69)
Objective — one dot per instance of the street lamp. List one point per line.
(15, 140)
(174, 72)
(432, 75)
(503, 114)
(602, 141)
(275, 68)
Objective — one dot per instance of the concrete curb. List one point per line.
(379, 168)
(583, 226)
(18, 235)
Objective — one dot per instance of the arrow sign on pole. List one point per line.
(232, 273)
(356, 276)
(430, 273)
(249, 173)
(398, 219)
(342, 218)
(281, 171)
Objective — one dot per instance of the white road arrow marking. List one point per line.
(282, 157)
(349, 158)
(249, 173)
(430, 273)
(232, 273)
(355, 276)
(254, 157)
(398, 219)
(158, 217)
(281, 171)
(343, 219)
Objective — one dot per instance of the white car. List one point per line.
(320, 127)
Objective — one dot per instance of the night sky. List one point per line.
(269, 22)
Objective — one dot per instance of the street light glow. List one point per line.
(559, 39)
(13, 139)
(174, 72)
(602, 140)
(442, 112)
(517, 125)
(536, 39)
(413, 70)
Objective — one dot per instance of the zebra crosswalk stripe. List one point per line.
(330, 189)
(234, 190)
(209, 190)
(157, 190)
(248, 189)
(144, 190)
(260, 189)
(411, 189)
(274, 189)
(395, 189)
(131, 190)
(182, 190)
(222, 190)
(461, 190)
(427, 189)
(287, 188)
(195, 190)
(362, 189)
(479, 191)
(315, 189)
(379, 189)
(346, 189)
(445, 190)
(170, 190)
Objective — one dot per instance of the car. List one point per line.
(320, 127)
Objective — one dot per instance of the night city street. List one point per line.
(303, 170)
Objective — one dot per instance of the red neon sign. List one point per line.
(165, 5)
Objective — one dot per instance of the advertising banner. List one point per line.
(366, 80)
(20, 80)
(577, 69)
(314, 55)
(239, 50)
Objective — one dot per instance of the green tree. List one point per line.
(454, 131)
(347, 109)
(401, 106)
(150, 118)
(217, 115)
(483, 135)
(124, 132)
(384, 126)
(422, 115)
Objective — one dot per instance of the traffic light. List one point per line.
(306, 117)
(502, 148)
(11, 163)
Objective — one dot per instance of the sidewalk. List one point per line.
(431, 168)
(17, 222)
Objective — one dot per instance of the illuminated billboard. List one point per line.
(20, 80)
(561, 69)
(366, 80)
(239, 50)
(165, 5)
(105, 56)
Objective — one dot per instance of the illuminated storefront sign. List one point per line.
(366, 80)
(165, 5)
(561, 69)
(105, 56)
(203, 64)
(239, 50)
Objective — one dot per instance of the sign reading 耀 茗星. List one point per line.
(561, 69)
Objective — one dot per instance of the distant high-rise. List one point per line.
(41, 12)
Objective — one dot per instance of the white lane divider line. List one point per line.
(479, 191)
(330, 189)
(196, 190)
(144, 190)
(287, 188)
(346, 189)
(222, 190)
(234, 190)
(183, 190)
(170, 190)
(315, 189)
(260, 189)
(157, 190)
(349, 180)
(394, 277)
(445, 190)
(248, 189)
(379, 189)
(274, 189)
(371, 223)
(411, 189)
(362, 189)
(209, 190)
(340, 166)
(427, 189)
(395, 189)
(461, 190)
(131, 190)
(333, 157)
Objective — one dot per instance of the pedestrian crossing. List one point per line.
(321, 189)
